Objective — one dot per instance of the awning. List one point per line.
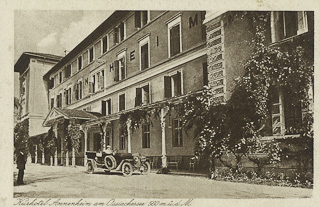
(56, 114)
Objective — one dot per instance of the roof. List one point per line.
(91, 38)
(57, 113)
(24, 60)
(74, 113)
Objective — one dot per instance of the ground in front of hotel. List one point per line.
(67, 182)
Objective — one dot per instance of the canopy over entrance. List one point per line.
(56, 114)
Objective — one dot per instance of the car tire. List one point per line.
(127, 169)
(146, 168)
(110, 162)
(90, 168)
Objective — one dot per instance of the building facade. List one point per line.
(142, 59)
(33, 92)
(134, 59)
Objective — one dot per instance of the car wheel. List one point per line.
(90, 168)
(110, 162)
(127, 169)
(146, 168)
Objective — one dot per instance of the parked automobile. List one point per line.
(126, 163)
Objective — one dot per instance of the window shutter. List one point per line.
(167, 86)
(144, 17)
(123, 68)
(115, 35)
(116, 70)
(65, 94)
(291, 23)
(77, 93)
(137, 19)
(100, 82)
(51, 83)
(60, 99)
(205, 73)
(175, 40)
(74, 92)
(144, 57)
(138, 97)
(103, 108)
(109, 106)
(52, 102)
(57, 100)
(121, 31)
(150, 94)
(310, 19)
(179, 83)
(69, 95)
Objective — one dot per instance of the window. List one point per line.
(122, 102)
(286, 114)
(173, 85)
(144, 50)
(51, 83)
(106, 107)
(78, 90)
(122, 138)
(146, 136)
(59, 100)
(104, 44)
(174, 37)
(286, 24)
(177, 132)
(67, 95)
(292, 114)
(52, 103)
(119, 33)
(120, 68)
(90, 55)
(80, 63)
(60, 77)
(141, 18)
(205, 73)
(142, 95)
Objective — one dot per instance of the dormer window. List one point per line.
(141, 18)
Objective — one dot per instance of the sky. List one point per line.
(53, 31)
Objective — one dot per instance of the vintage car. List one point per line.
(126, 163)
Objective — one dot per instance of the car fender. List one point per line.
(94, 164)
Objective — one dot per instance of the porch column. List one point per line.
(73, 157)
(129, 135)
(67, 158)
(36, 154)
(84, 129)
(42, 158)
(55, 130)
(163, 137)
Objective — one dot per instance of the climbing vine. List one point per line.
(73, 136)
(21, 136)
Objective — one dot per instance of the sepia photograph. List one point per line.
(129, 107)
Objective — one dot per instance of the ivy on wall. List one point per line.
(21, 137)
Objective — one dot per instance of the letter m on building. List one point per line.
(193, 22)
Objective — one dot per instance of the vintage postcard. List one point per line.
(146, 104)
